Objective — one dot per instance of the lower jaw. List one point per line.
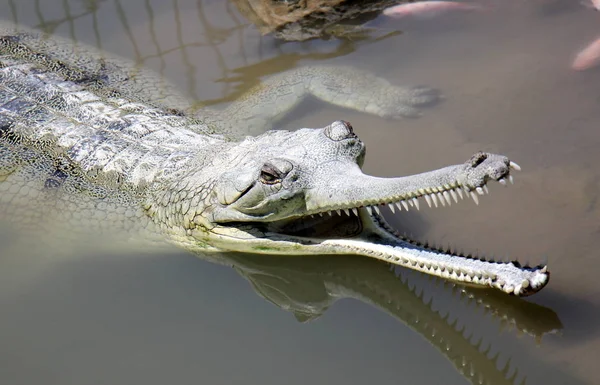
(371, 236)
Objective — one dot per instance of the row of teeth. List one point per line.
(434, 198)
(464, 275)
(460, 274)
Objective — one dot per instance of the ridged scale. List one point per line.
(127, 141)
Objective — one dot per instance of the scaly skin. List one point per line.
(114, 147)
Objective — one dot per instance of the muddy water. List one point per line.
(97, 317)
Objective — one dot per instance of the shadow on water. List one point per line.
(308, 286)
(580, 317)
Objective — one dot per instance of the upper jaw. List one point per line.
(353, 190)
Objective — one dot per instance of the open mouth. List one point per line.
(363, 230)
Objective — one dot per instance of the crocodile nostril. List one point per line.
(339, 130)
(477, 159)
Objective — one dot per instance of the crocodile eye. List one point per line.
(269, 174)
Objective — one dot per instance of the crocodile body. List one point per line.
(114, 148)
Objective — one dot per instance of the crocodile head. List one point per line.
(303, 192)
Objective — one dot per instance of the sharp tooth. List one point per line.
(400, 207)
(404, 204)
(339, 212)
(321, 214)
(486, 189)
(459, 191)
(347, 212)
(434, 199)
(441, 198)
(428, 199)
(391, 206)
(454, 196)
(370, 210)
(330, 213)
(517, 290)
(410, 202)
(377, 210)
(515, 166)
(447, 197)
(474, 197)
(511, 180)
(355, 211)
(479, 191)
(416, 202)
(502, 181)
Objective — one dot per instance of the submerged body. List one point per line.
(95, 143)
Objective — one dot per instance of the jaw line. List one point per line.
(376, 239)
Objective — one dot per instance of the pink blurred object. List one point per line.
(588, 57)
(592, 4)
(426, 9)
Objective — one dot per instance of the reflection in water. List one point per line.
(448, 316)
(236, 80)
(249, 75)
(308, 286)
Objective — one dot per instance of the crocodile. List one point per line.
(116, 148)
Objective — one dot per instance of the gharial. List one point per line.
(111, 146)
